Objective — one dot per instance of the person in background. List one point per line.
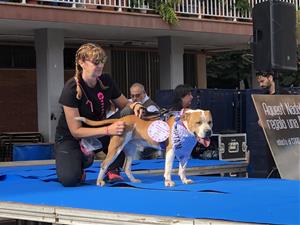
(87, 94)
(182, 97)
(138, 94)
(266, 80)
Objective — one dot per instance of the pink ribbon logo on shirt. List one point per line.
(101, 99)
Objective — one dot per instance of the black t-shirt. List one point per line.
(92, 105)
(279, 91)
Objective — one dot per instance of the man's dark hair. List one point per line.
(264, 73)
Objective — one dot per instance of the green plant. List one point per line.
(167, 12)
(227, 69)
(242, 5)
(164, 8)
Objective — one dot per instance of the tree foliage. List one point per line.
(226, 70)
(167, 12)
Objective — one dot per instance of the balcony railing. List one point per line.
(223, 9)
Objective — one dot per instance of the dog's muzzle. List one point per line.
(205, 141)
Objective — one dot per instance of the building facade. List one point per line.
(38, 40)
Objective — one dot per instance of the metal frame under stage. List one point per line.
(59, 215)
(72, 216)
(240, 169)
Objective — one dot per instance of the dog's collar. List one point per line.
(181, 123)
(177, 119)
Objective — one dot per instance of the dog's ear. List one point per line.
(185, 116)
(208, 114)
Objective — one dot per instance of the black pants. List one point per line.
(70, 161)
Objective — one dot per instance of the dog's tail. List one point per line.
(95, 123)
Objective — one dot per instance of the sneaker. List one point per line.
(113, 177)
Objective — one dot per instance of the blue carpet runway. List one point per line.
(272, 201)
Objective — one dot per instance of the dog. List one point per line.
(186, 128)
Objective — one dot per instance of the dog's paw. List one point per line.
(100, 183)
(169, 183)
(187, 181)
(136, 181)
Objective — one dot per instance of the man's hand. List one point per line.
(259, 123)
(138, 109)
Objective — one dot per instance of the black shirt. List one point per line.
(92, 105)
(279, 91)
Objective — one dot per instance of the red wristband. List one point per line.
(106, 130)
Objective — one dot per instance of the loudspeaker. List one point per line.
(274, 36)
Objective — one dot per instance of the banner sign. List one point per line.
(279, 117)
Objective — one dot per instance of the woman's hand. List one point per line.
(138, 109)
(116, 128)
